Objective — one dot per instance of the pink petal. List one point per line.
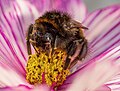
(26, 88)
(93, 78)
(14, 19)
(42, 87)
(96, 73)
(75, 8)
(8, 77)
(114, 83)
(13, 31)
(103, 88)
(9, 56)
(104, 30)
(18, 88)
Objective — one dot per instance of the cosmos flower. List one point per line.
(100, 69)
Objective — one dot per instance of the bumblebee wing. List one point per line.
(78, 24)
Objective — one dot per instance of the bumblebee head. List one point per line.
(43, 35)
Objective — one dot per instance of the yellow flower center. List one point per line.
(44, 69)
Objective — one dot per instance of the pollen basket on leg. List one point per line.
(47, 69)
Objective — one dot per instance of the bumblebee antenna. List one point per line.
(28, 37)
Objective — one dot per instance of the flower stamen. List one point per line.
(44, 69)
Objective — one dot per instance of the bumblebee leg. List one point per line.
(73, 63)
(70, 51)
(82, 53)
(56, 42)
(84, 50)
(50, 51)
(76, 51)
(28, 39)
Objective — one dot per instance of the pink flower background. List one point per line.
(100, 69)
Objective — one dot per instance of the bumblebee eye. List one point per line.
(48, 37)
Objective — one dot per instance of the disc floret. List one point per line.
(47, 69)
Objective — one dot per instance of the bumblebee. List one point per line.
(57, 30)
